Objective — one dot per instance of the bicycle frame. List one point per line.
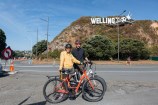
(67, 80)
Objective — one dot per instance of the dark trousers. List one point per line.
(79, 69)
(67, 73)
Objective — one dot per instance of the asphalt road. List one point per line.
(146, 73)
(127, 85)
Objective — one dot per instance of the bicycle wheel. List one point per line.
(50, 91)
(96, 94)
(97, 76)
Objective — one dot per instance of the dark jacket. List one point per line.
(79, 54)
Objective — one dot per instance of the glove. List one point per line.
(81, 63)
(60, 70)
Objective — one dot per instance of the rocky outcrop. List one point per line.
(145, 30)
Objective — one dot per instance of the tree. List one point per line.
(55, 54)
(2, 41)
(134, 48)
(99, 48)
(41, 47)
(154, 50)
(17, 54)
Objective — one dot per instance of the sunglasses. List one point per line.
(78, 43)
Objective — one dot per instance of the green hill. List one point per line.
(144, 30)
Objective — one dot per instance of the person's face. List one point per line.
(68, 50)
(78, 45)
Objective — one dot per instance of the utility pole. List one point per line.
(47, 33)
(118, 37)
(118, 40)
(37, 42)
(47, 36)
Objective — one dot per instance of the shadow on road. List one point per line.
(3, 75)
(24, 101)
(39, 103)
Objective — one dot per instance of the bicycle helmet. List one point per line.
(68, 46)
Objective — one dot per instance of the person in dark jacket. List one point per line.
(79, 54)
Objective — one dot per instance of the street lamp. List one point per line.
(37, 39)
(118, 31)
(47, 32)
(30, 45)
(37, 42)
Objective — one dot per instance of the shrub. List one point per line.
(99, 48)
(134, 48)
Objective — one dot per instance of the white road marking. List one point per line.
(96, 71)
(36, 71)
(129, 71)
(34, 66)
(38, 66)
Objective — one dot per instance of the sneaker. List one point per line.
(72, 97)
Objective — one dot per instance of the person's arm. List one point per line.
(85, 56)
(61, 61)
(75, 60)
(86, 59)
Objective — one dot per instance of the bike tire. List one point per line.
(84, 89)
(64, 97)
(97, 76)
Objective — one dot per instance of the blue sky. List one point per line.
(17, 17)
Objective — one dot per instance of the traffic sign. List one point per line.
(7, 53)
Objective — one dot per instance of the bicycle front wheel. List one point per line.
(96, 93)
(51, 91)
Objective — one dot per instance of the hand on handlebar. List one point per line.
(87, 62)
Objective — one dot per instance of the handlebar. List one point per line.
(90, 64)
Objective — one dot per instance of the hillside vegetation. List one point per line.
(145, 31)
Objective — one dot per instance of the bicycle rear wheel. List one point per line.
(51, 91)
(96, 94)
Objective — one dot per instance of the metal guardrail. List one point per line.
(155, 58)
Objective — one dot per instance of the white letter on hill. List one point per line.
(93, 20)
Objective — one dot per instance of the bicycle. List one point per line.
(65, 88)
(91, 71)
